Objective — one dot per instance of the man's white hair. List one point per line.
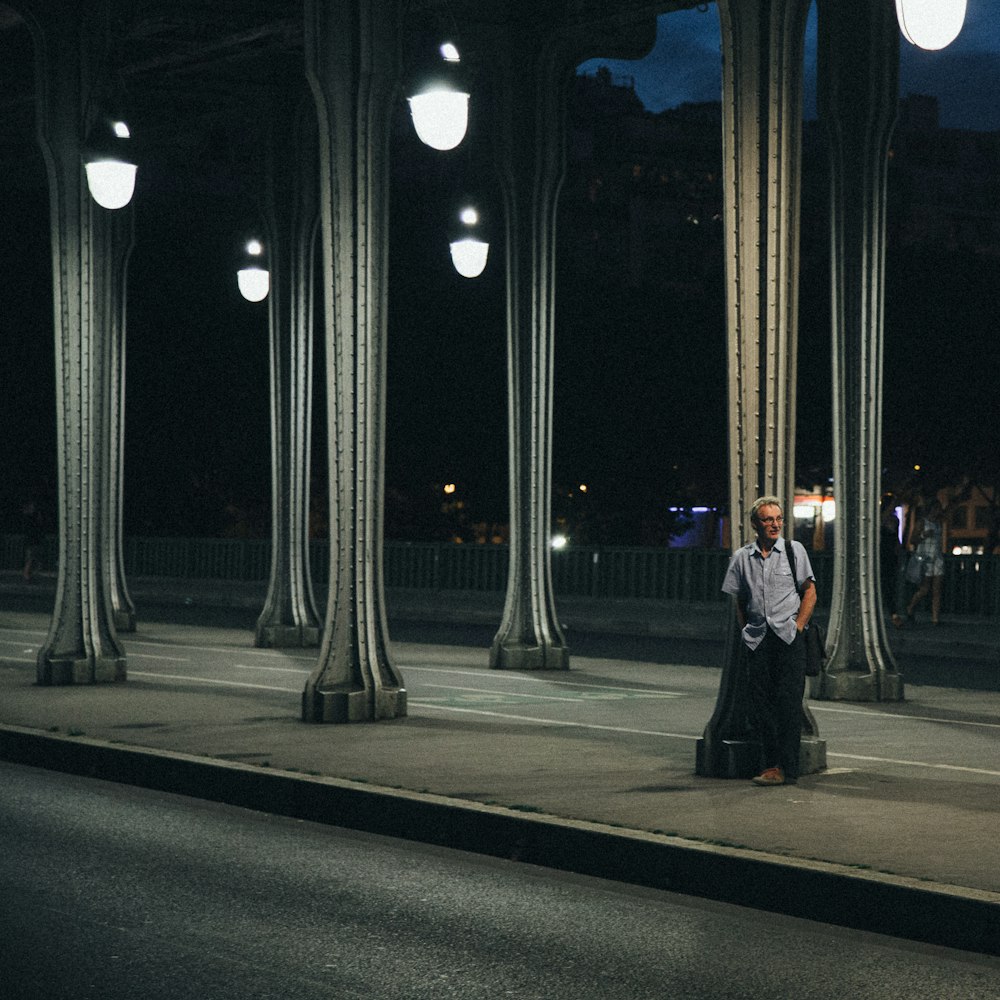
(764, 502)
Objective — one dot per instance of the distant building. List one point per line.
(643, 197)
(973, 521)
(944, 184)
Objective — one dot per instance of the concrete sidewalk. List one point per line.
(966, 648)
(876, 842)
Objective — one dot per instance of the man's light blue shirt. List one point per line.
(766, 589)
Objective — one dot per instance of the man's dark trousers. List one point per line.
(777, 683)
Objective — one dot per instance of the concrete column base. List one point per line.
(287, 636)
(742, 758)
(727, 759)
(857, 686)
(352, 706)
(518, 657)
(60, 673)
(812, 755)
(124, 620)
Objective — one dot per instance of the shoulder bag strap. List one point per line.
(790, 553)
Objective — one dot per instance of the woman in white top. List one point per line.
(927, 541)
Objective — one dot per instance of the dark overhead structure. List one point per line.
(294, 100)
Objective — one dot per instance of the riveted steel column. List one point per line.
(762, 52)
(82, 645)
(858, 73)
(120, 239)
(534, 60)
(289, 617)
(351, 64)
(529, 129)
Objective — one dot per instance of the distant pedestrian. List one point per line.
(891, 560)
(33, 531)
(773, 606)
(926, 544)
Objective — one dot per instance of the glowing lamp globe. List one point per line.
(441, 117)
(253, 278)
(110, 170)
(930, 24)
(254, 283)
(469, 256)
(111, 182)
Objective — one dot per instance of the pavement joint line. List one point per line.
(155, 656)
(548, 697)
(555, 722)
(498, 674)
(221, 648)
(881, 902)
(209, 680)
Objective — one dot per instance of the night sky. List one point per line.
(965, 77)
(629, 412)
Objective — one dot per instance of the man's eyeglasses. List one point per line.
(771, 520)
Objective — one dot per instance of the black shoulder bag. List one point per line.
(812, 634)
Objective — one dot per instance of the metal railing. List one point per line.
(971, 585)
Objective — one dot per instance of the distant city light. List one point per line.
(809, 508)
(449, 488)
(583, 487)
(559, 542)
(916, 468)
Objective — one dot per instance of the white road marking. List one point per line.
(517, 718)
(917, 763)
(298, 671)
(904, 718)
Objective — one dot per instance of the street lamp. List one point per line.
(109, 164)
(253, 278)
(468, 250)
(930, 24)
(440, 110)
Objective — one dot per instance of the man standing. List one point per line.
(775, 596)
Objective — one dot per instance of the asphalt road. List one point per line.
(114, 892)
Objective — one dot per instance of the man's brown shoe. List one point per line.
(772, 776)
